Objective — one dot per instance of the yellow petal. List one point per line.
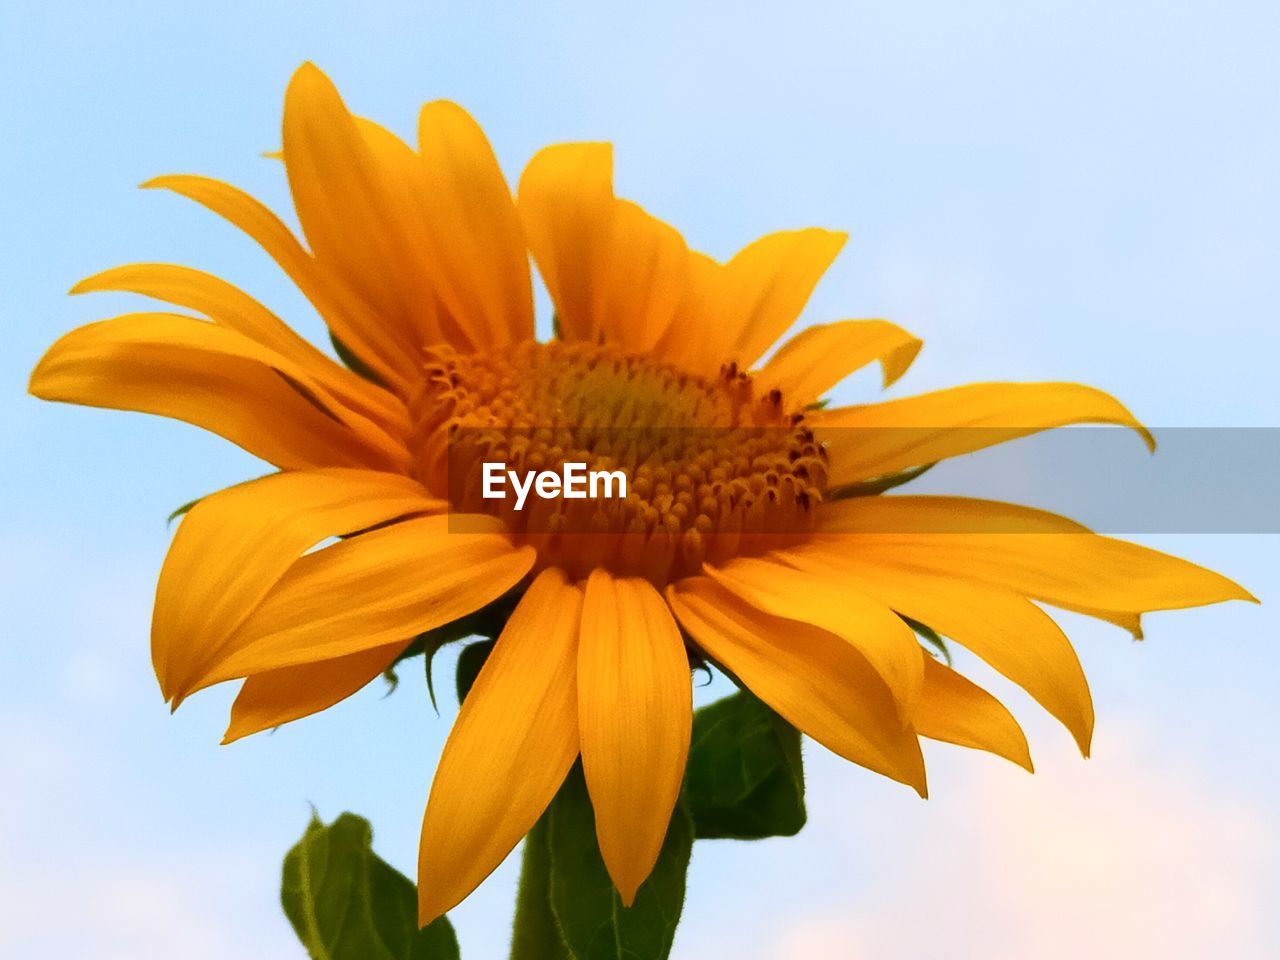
(233, 546)
(1031, 552)
(641, 272)
(345, 209)
(1004, 629)
(815, 680)
(226, 304)
(819, 357)
(1131, 623)
(344, 314)
(883, 438)
(824, 598)
(482, 265)
(514, 741)
(271, 699)
(616, 273)
(371, 590)
(215, 378)
(206, 294)
(691, 340)
(635, 712)
(762, 291)
(565, 201)
(956, 710)
(404, 180)
(902, 515)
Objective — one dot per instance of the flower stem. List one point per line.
(535, 935)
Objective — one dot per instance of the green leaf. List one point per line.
(353, 361)
(745, 779)
(592, 920)
(877, 485)
(346, 903)
(470, 660)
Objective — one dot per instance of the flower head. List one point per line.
(753, 532)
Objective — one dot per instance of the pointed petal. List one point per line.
(229, 306)
(403, 181)
(344, 206)
(956, 710)
(387, 356)
(212, 377)
(641, 271)
(616, 273)
(883, 438)
(565, 201)
(514, 741)
(1032, 552)
(208, 295)
(276, 697)
(482, 265)
(819, 357)
(1131, 623)
(824, 598)
(691, 341)
(815, 680)
(762, 291)
(233, 546)
(635, 710)
(369, 591)
(1004, 629)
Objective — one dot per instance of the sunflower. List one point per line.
(754, 535)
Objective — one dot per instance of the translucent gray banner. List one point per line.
(1199, 480)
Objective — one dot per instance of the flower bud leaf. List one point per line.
(587, 909)
(745, 779)
(347, 903)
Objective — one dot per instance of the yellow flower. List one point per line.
(732, 534)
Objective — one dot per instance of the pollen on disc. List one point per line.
(714, 470)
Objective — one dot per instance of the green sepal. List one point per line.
(745, 778)
(352, 360)
(347, 903)
(186, 507)
(470, 660)
(392, 680)
(934, 643)
(876, 485)
(183, 510)
(488, 622)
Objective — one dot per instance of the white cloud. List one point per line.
(1126, 855)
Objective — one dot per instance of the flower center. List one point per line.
(712, 470)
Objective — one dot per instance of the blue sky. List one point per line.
(1040, 190)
